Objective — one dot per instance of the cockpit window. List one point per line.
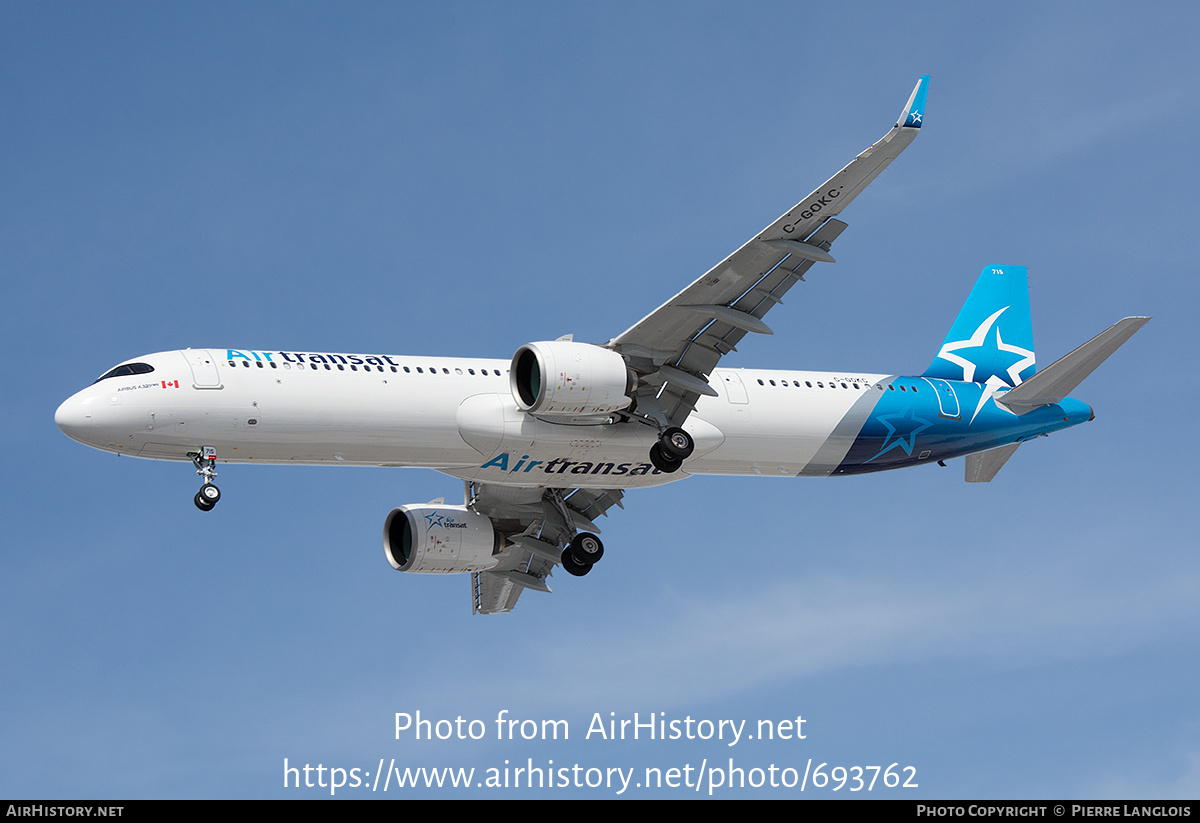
(125, 370)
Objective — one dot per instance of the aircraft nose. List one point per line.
(73, 418)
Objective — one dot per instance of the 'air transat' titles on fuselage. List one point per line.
(559, 466)
(319, 358)
(458, 416)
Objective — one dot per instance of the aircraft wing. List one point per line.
(534, 525)
(674, 350)
(676, 347)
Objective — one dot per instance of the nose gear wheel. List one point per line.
(205, 462)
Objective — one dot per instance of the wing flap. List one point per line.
(494, 593)
(702, 353)
(534, 533)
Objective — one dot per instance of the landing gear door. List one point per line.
(204, 369)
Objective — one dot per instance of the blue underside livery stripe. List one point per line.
(912, 422)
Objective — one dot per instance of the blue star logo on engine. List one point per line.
(434, 519)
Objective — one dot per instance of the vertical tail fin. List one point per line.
(993, 334)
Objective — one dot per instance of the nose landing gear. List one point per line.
(207, 497)
(205, 462)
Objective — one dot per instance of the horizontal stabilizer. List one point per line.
(1060, 378)
(982, 466)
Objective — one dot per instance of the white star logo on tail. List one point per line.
(979, 340)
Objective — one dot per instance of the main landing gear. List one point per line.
(584, 550)
(209, 494)
(673, 447)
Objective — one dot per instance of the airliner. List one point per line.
(549, 440)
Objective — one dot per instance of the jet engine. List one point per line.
(439, 539)
(565, 379)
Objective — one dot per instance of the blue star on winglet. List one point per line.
(913, 115)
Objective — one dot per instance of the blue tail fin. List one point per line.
(993, 334)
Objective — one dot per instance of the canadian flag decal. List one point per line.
(170, 384)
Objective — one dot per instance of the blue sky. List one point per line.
(461, 179)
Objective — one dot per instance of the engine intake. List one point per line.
(438, 540)
(565, 379)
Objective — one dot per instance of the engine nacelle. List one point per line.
(438, 539)
(566, 379)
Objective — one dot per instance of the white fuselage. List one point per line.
(454, 415)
